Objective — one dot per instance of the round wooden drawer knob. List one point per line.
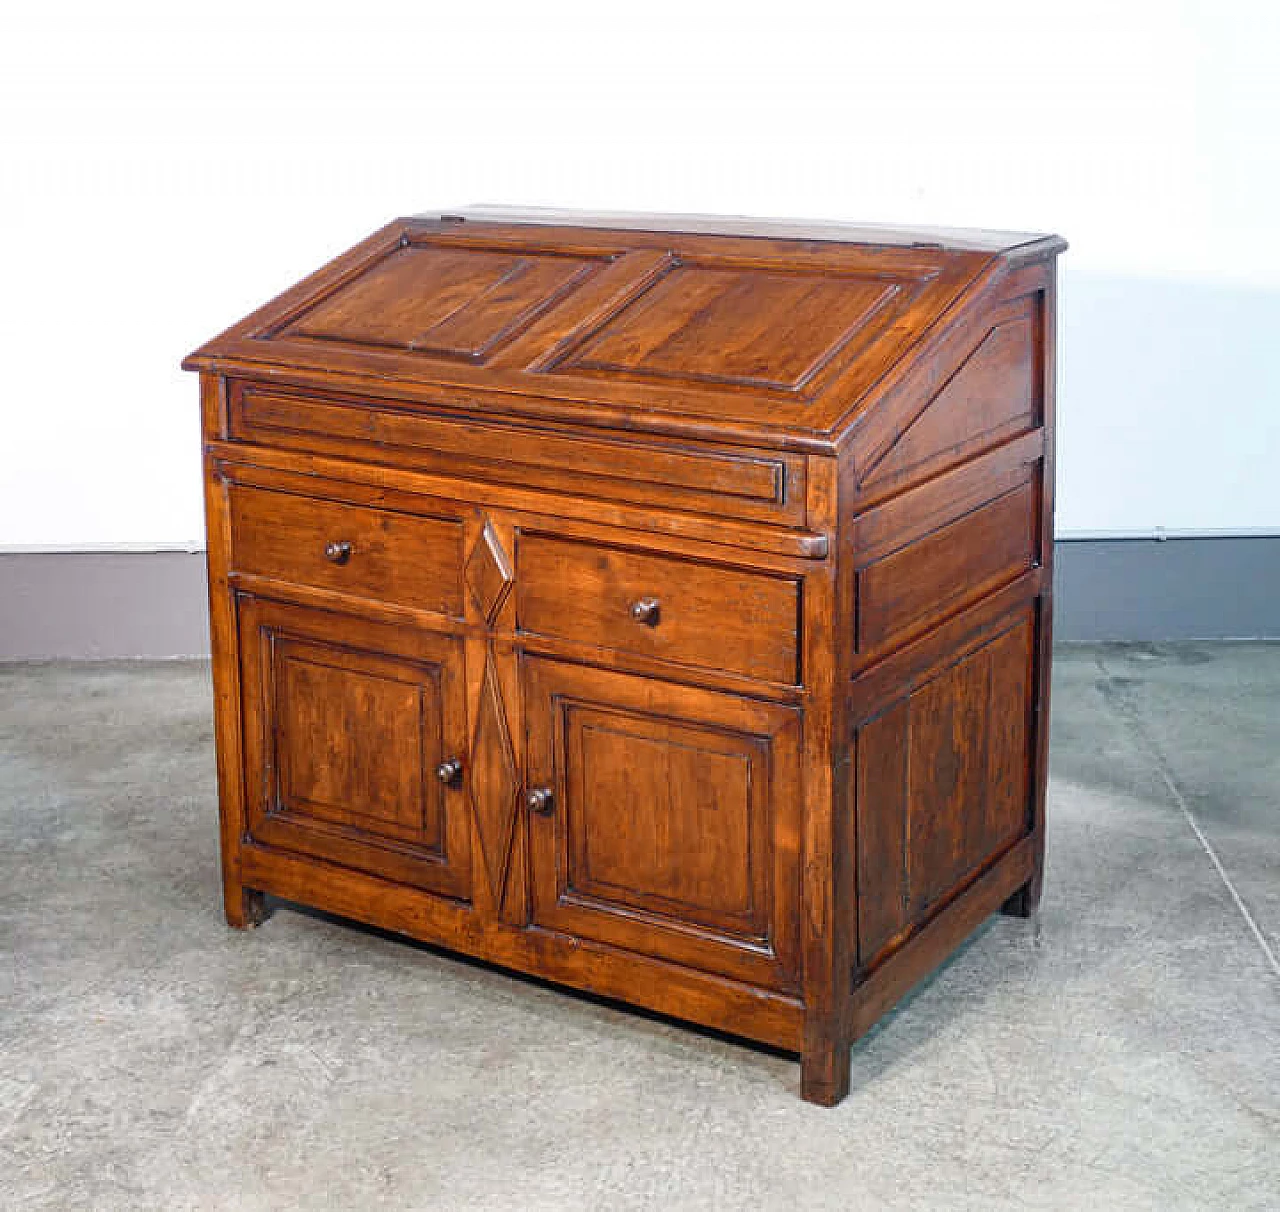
(449, 771)
(540, 800)
(646, 611)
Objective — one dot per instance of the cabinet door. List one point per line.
(665, 819)
(346, 722)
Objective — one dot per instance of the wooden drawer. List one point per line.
(728, 481)
(659, 606)
(400, 558)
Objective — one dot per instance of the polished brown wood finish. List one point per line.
(659, 607)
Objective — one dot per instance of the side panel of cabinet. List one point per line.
(982, 390)
(345, 724)
(674, 822)
(944, 782)
(940, 547)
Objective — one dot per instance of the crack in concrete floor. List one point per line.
(1132, 718)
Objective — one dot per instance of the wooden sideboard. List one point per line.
(657, 605)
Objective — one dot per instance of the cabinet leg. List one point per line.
(1026, 900)
(824, 1074)
(245, 907)
(1022, 903)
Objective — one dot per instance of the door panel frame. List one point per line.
(267, 627)
(762, 949)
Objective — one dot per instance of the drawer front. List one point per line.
(400, 558)
(743, 483)
(659, 606)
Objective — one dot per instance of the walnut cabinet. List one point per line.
(658, 606)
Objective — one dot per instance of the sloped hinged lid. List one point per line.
(780, 330)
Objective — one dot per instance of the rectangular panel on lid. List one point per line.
(734, 326)
(451, 302)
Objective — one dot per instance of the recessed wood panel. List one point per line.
(389, 556)
(671, 832)
(884, 889)
(352, 745)
(994, 394)
(449, 302)
(685, 795)
(345, 722)
(743, 327)
(943, 785)
(706, 614)
(956, 563)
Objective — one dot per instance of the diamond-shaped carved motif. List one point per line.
(493, 779)
(488, 573)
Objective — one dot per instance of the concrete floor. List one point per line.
(1126, 1056)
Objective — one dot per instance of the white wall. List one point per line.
(164, 167)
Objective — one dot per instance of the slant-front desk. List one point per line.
(659, 606)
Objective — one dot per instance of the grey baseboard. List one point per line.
(1217, 587)
(91, 605)
(96, 604)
